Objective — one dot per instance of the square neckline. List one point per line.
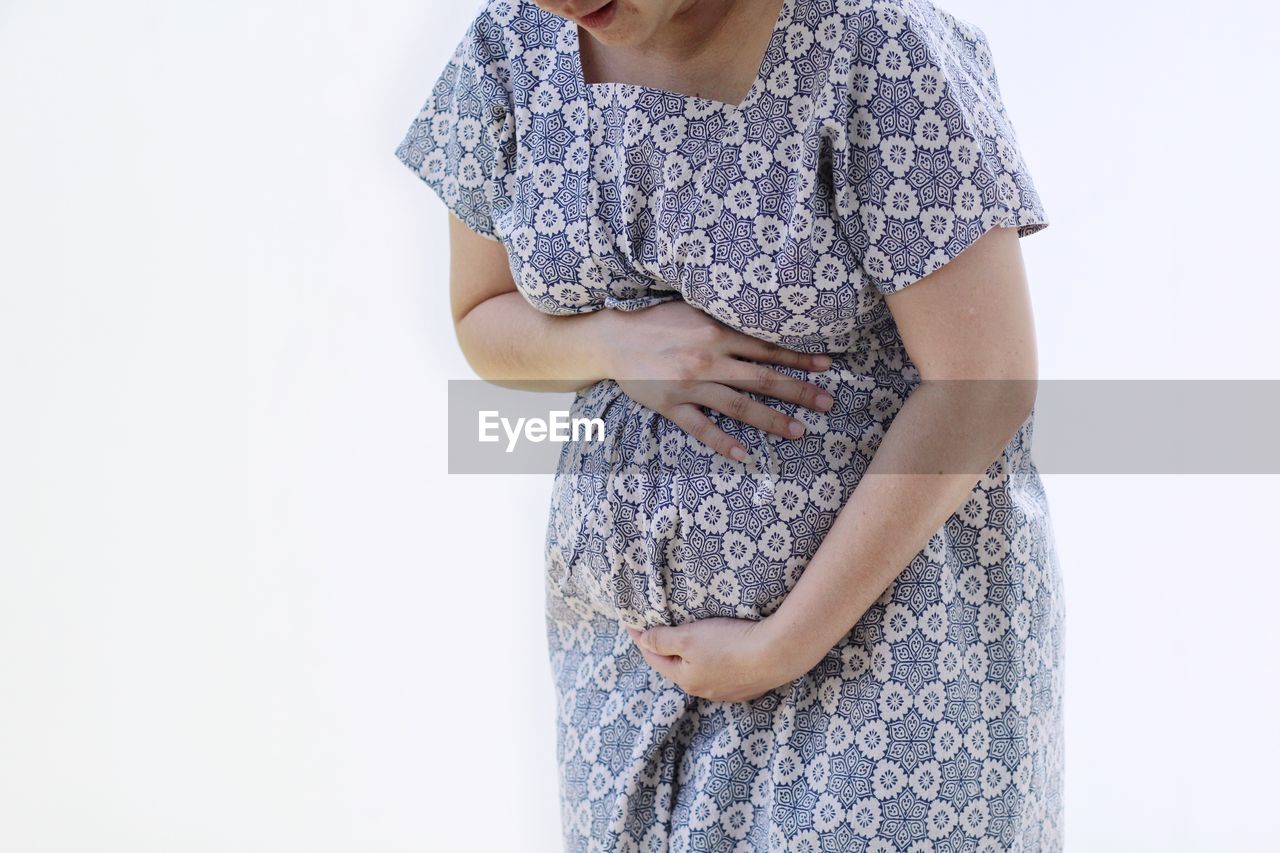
(781, 25)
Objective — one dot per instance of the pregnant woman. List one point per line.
(805, 594)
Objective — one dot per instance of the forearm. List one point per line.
(510, 343)
(945, 435)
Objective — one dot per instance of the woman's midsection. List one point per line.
(650, 526)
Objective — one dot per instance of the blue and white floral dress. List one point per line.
(872, 148)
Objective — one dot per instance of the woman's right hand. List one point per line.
(674, 358)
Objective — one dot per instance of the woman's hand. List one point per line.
(723, 659)
(674, 358)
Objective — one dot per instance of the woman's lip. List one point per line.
(600, 17)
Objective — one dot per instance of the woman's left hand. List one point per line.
(720, 658)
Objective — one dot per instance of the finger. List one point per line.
(667, 667)
(648, 639)
(756, 349)
(690, 418)
(664, 640)
(637, 636)
(742, 408)
(764, 380)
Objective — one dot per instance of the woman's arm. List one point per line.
(505, 339)
(969, 320)
(672, 358)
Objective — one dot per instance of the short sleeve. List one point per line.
(930, 161)
(461, 142)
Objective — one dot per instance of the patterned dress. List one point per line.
(872, 148)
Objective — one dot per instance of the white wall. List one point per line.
(243, 608)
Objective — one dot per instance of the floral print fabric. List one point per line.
(872, 148)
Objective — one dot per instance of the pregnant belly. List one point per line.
(649, 526)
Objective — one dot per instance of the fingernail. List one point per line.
(796, 429)
(824, 401)
(822, 360)
(738, 453)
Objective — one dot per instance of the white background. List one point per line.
(242, 606)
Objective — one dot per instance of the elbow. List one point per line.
(1021, 396)
(1010, 403)
(1006, 400)
(1006, 389)
(476, 351)
(995, 406)
(1024, 386)
(478, 343)
(468, 345)
(477, 364)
